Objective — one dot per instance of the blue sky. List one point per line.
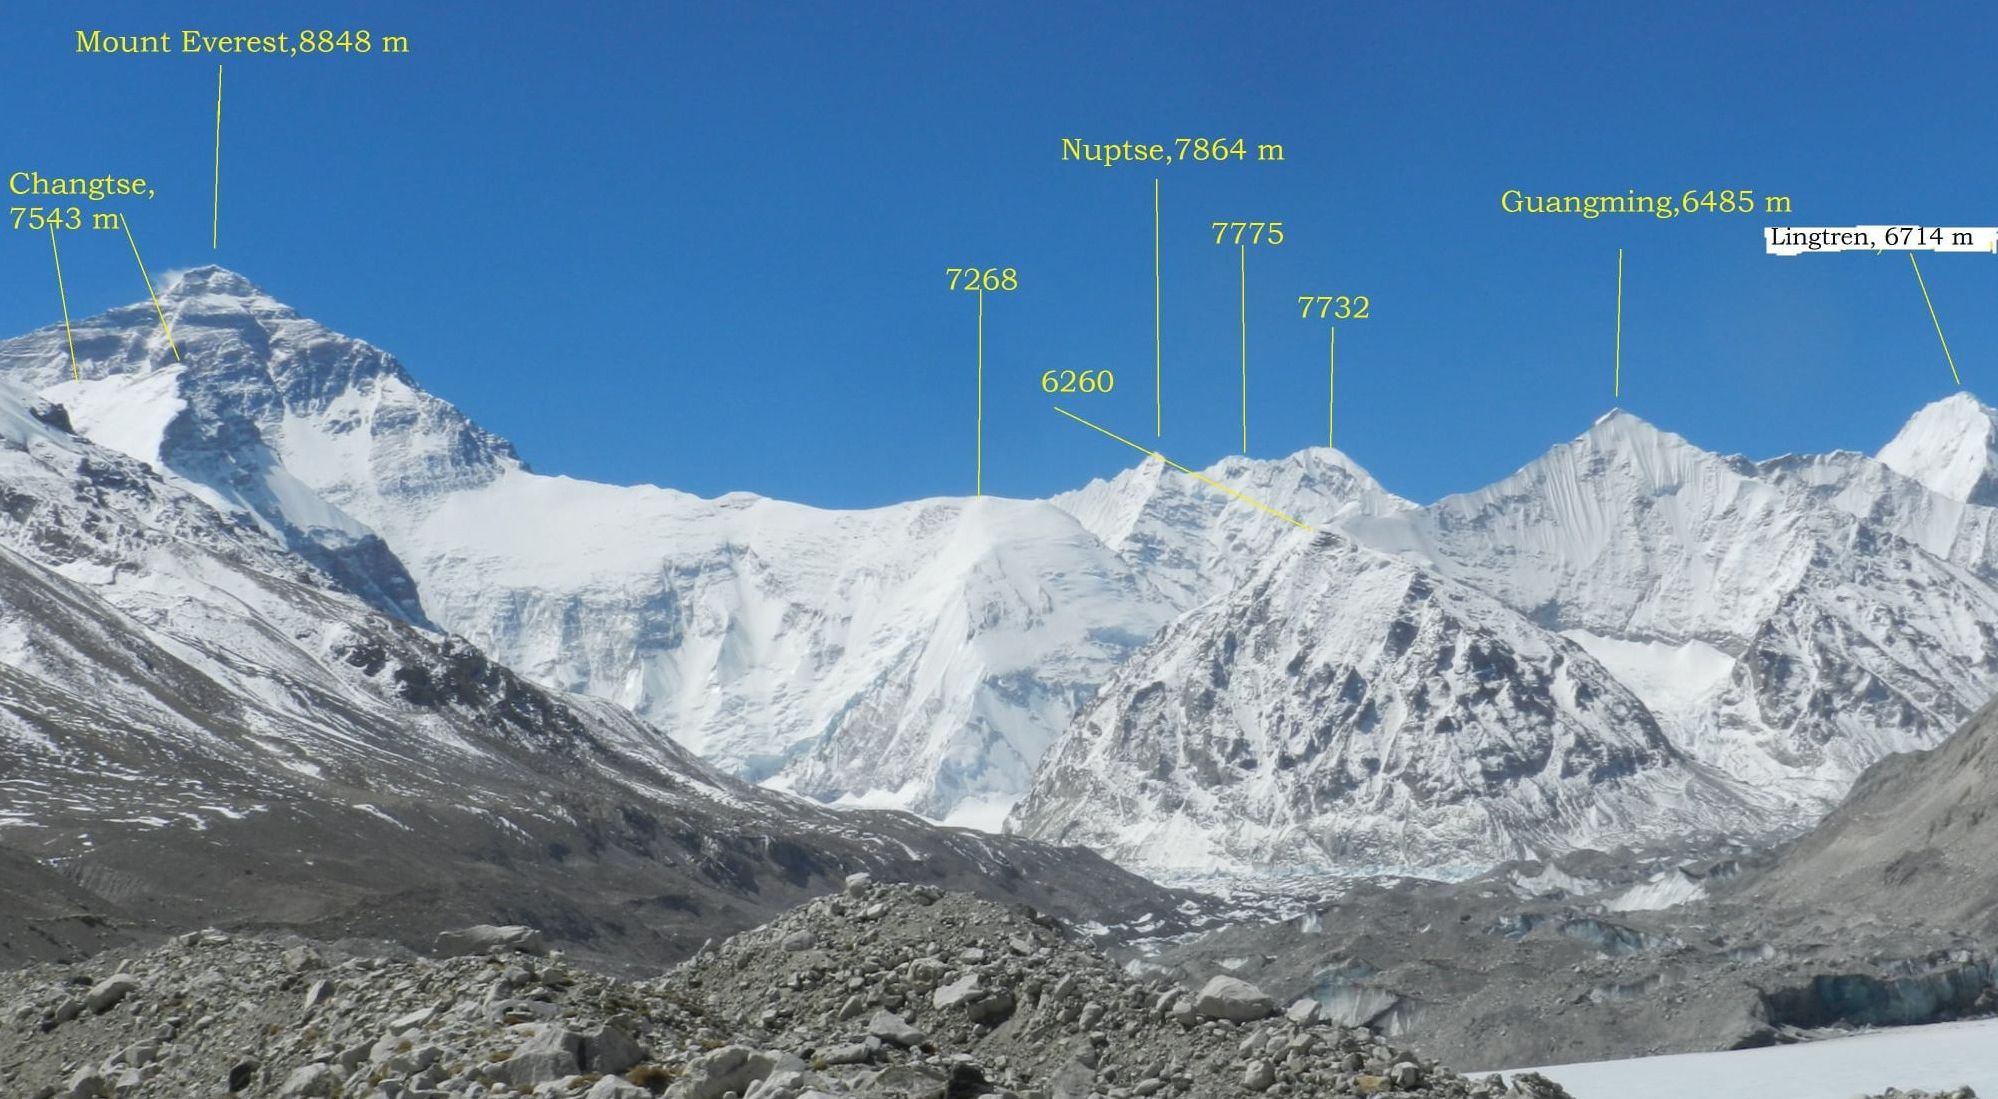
(704, 246)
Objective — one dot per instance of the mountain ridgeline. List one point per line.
(1629, 640)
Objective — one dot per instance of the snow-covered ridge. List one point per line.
(1782, 625)
(919, 655)
(1779, 624)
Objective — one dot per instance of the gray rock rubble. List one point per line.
(883, 991)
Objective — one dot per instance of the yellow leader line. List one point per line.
(74, 371)
(126, 223)
(1245, 349)
(1331, 381)
(1196, 474)
(215, 229)
(978, 474)
(1951, 359)
(1616, 386)
(1158, 331)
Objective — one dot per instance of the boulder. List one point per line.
(992, 1009)
(318, 1081)
(718, 1072)
(895, 1030)
(486, 938)
(553, 1052)
(1234, 1000)
(301, 958)
(966, 988)
(86, 1084)
(319, 992)
(139, 1054)
(1075, 1079)
(610, 1050)
(105, 994)
(847, 1053)
(412, 1020)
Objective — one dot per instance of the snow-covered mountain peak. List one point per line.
(1598, 478)
(1654, 449)
(1313, 478)
(1192, 540)
(211, 281)
(1951, 446)
(261, 411)
(1622, 470)
(1609, 533)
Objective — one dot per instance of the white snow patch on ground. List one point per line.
(1668, 890)
(980, 814)
(86, 571)
(126, 412)
(984, 814)
(1941, 1056)
(376, 811)
(1669, 679)
(897, 800)
(303, 767)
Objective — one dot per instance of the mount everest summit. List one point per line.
(1629, 640)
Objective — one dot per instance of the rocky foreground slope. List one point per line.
(1916, 842)
(883, 990)
(1543, 964)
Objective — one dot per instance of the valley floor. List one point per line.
(1939, 1056)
